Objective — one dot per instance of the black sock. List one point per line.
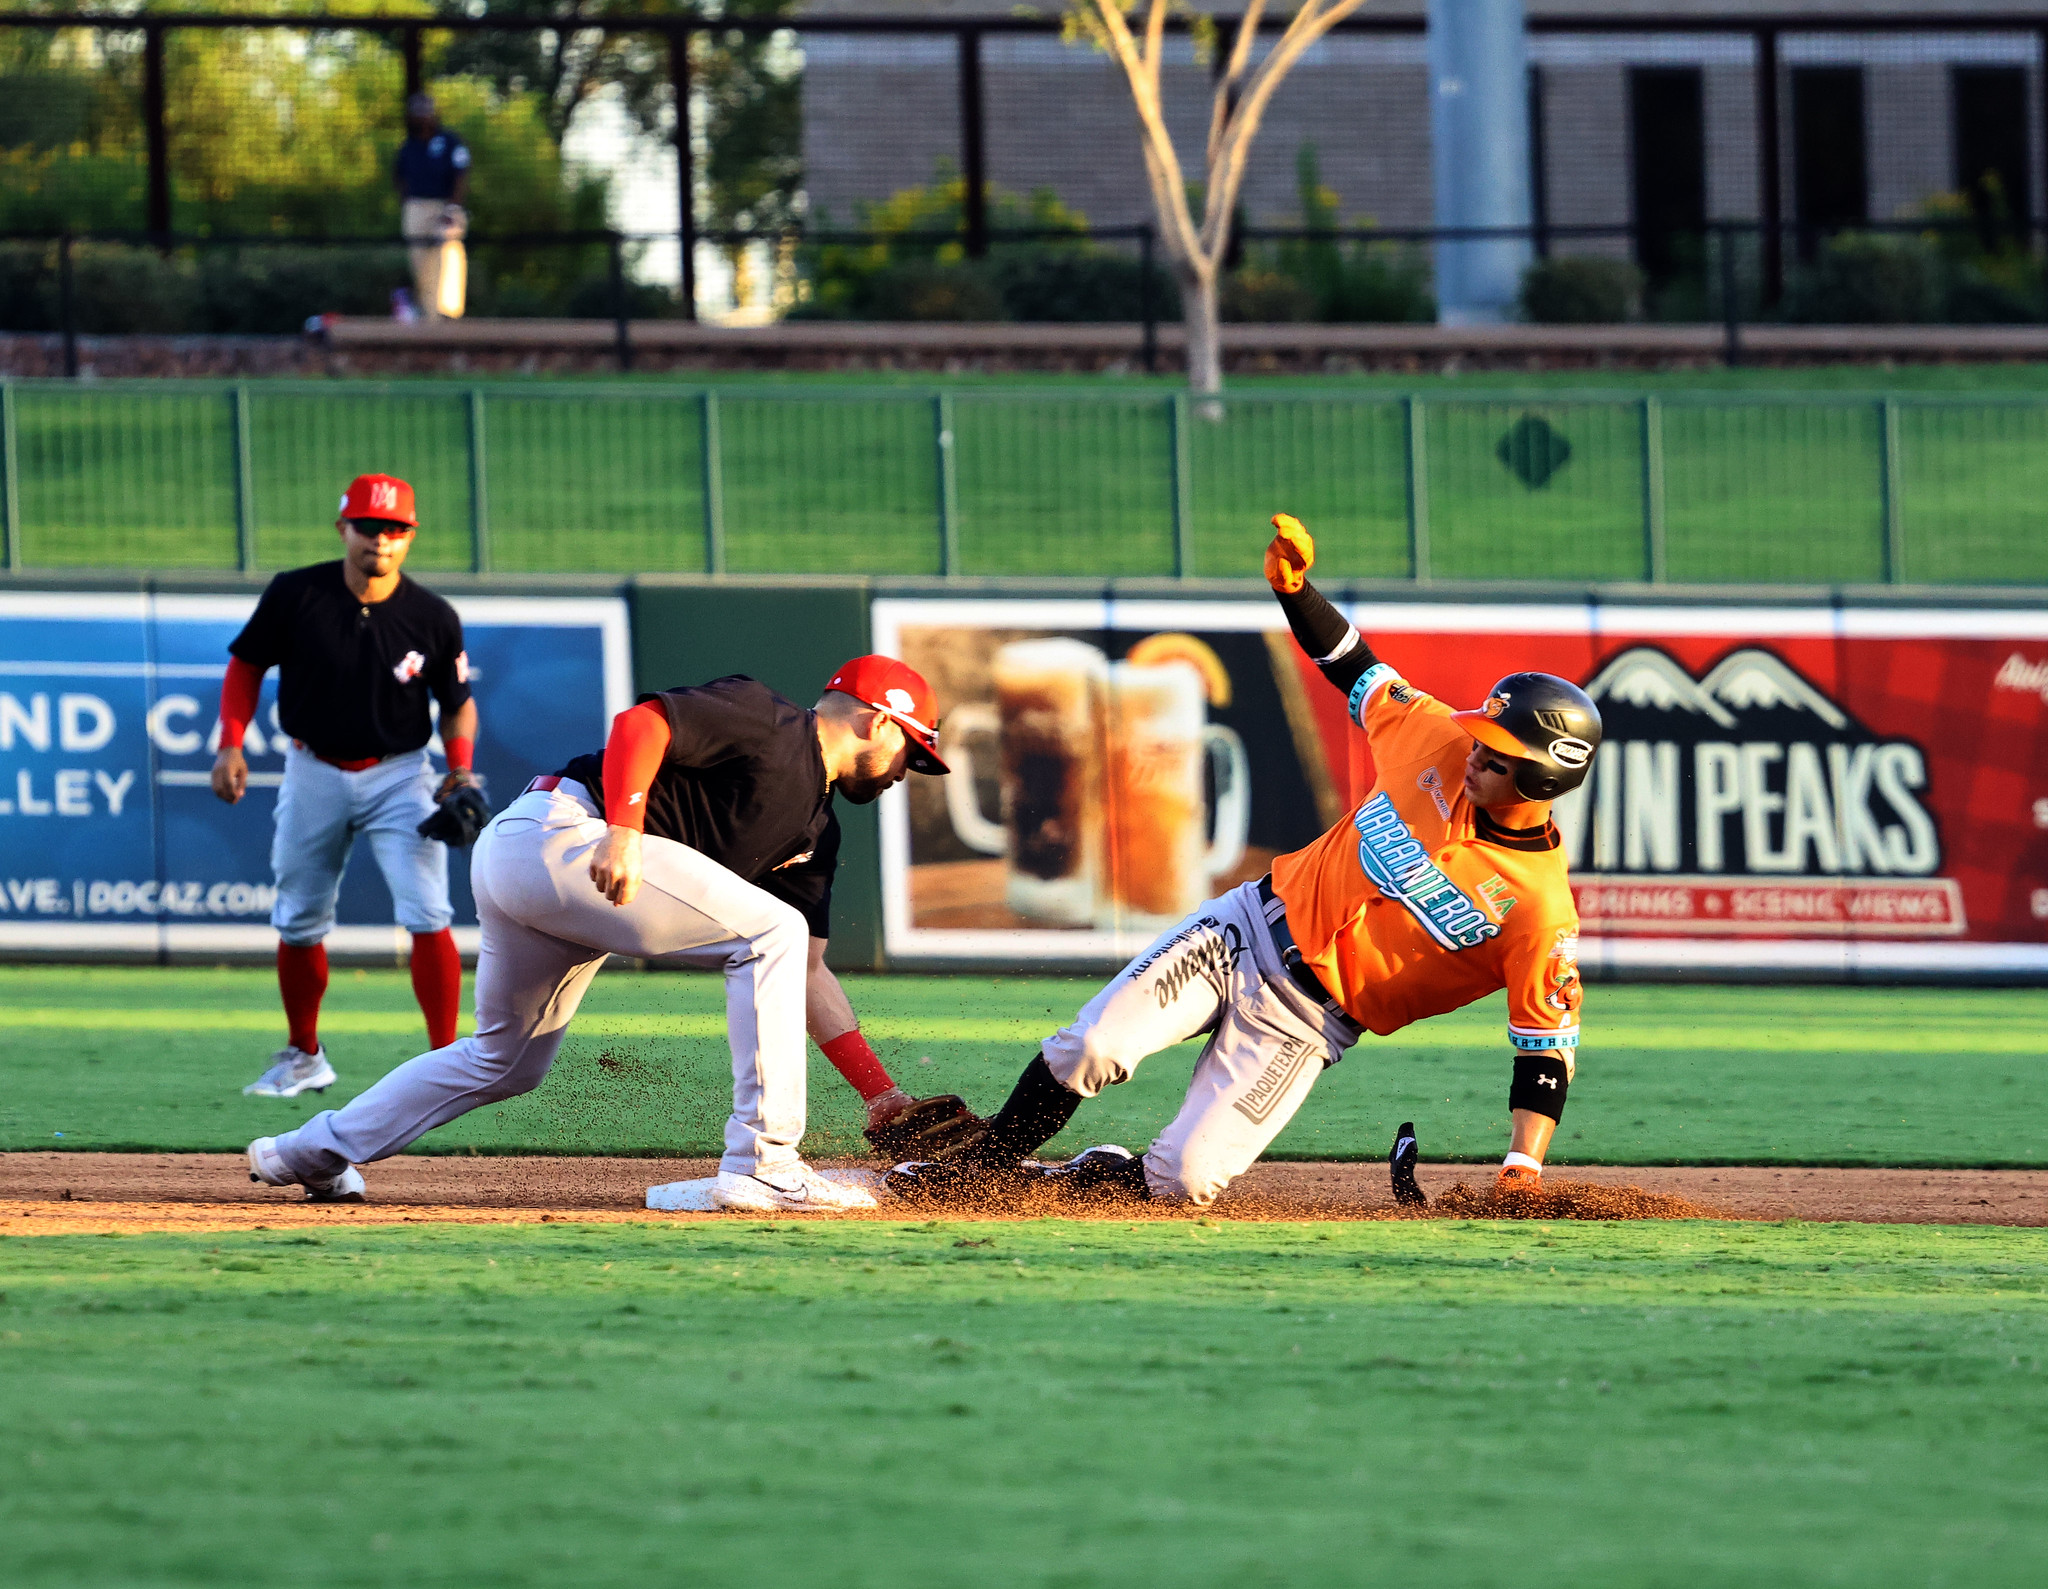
(1038, 1110)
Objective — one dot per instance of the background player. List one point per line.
(703, 835)
(1447, 883)
(359, 648)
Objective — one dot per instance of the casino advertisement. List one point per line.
(1823, 791)
(111, 839)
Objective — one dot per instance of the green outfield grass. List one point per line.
(1058, 476)
(141, 1058)
(1050, 1404)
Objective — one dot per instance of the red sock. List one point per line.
(302, 979)
(437, 983)
(853, 1059)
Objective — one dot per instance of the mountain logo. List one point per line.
(1748, 768)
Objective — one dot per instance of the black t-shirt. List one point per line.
(744, 783)
(427, 167)
(353, 677)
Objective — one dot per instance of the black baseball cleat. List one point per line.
(1401, 1168)
(962, 1180)
(1102, 1174)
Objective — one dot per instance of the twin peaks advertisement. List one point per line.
(1821, 790)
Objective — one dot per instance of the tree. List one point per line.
(1242, 93)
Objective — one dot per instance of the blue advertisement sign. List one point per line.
(110, 836)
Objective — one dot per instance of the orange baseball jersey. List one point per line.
(1421, 903)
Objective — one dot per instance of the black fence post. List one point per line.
(409, 46)
(973, 153)
(686, 171)
(1731, 307)
(1147, 304)
(1539, 168)
(622, 331)
(1771, 199)
(67, 306)
(158, 220)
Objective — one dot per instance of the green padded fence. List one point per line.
(1692, 487)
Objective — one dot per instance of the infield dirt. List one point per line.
(84, 1193)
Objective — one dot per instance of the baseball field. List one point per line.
(501, 1371)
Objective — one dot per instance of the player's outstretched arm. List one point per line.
(1319, 629)
(633, 753)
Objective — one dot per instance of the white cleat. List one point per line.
(788, 1188)
(293, 1071)
(267, 1168)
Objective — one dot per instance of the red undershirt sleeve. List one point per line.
(632, 756)
(239, 692)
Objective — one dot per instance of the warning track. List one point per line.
(95, 1193)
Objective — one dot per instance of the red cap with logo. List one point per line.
(379, 496)
(899, 690)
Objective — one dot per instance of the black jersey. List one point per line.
(353, 676)
(744, 783)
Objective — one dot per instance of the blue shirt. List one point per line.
(426, 168)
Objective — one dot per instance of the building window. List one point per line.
(1992, 168)
(1668, 135)
(1830, 165)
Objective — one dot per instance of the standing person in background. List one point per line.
(359, 648)
(431, 172)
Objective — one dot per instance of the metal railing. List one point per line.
(976, 481)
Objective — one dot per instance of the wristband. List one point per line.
(461, 751)
(1522, 1161)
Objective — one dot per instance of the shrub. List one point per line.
(1265, 297)
(1041, 285)
(1865, 278)
(273, 291)
(1577, 290)
(929, 289)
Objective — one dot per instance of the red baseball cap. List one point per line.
(379, 496)
(898, 689)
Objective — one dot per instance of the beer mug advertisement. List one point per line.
(1828, 790)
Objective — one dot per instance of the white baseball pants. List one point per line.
(545, 931)
(1218, 972)
(320, 812)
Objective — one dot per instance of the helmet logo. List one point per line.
(1495, 705)
(899, 700)
(1570, 752)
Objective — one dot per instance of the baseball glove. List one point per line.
(460, 811)
(931, 1128)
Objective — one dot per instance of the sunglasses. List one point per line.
(380, 529)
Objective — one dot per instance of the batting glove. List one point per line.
(1290, 556)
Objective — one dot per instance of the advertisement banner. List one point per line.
(1829, 790)
(110, 836)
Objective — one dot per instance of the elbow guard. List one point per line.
(1541, 1082)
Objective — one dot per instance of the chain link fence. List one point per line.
(618, 478)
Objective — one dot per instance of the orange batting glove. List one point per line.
(1290, 556)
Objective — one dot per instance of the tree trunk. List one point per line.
(1205, 343)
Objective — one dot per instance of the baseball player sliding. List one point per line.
(702, 835)
(1447, 883)
(359, 648)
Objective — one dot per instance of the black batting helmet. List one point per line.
(1549, 726)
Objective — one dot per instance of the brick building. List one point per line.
(1657, 128)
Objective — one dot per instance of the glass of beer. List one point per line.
(1048, 706)
(1159, 855)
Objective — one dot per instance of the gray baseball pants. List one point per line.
(545, 931)
(320, 812)
(1217, 972)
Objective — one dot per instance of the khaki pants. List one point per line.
(545, 931)
(1216, 972)
(440, 267)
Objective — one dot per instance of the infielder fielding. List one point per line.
(703, 835)
(359, 648)
(1447, 883)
